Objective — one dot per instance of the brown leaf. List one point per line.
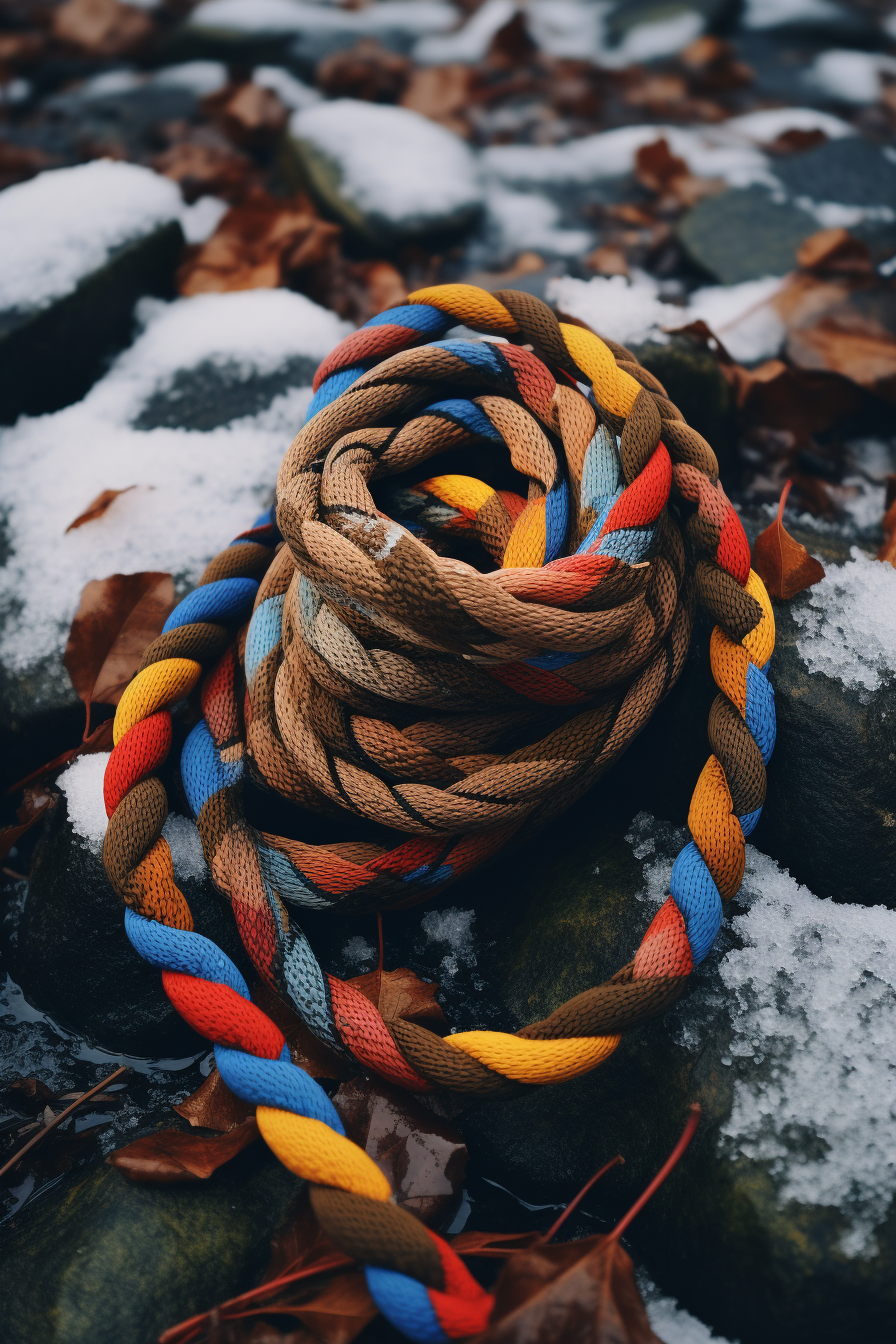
(19, 162)
(97, 507)
(172, 1156)
(115, 622)
(582, 1292)
(423, 1158)
(835, 250)
(441, 93)
(249, 114)
(368, 71)
(401, 993)
(783, 564)
(101, 27)
(607, 260)
(658, 169)
(34, 804)
(27, 1094)
(214, 1106)
(203, 163)
(497, 1245)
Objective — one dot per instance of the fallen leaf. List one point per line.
(494, 1245)
(33, 806)
(173, 1156)
(203, 163)
(214, 1106)
(101, 27)
(117, 619)
(582, 1292)
(607, 260)
(19, 162)
(27, 1094)
(368, 71)
(783, 564)
(441, 93)
(97, 507)
(658, 169)
(857, 349)
(795, 141)
(423, 1158)
(401, 993)
(248, 114)
(835, 250)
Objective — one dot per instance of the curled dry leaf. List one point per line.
(214, 1106)
(423, 1158)
(249, 114)
(783, 564)
(401, 993)
(658, 169)
(173, 1156)
(101, 27)
(582, 1292)
(116, 620)
(97, 507)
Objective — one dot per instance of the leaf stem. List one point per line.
(63, 1115)
(670, 1162)
(783, 500)
(573, 1204)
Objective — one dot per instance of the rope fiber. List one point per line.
(452, 664)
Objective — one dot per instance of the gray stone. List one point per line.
(744, 234)
(387, 174)
(67, 948)
(98, 1260)
(50, 356)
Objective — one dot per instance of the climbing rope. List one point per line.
(384, 677)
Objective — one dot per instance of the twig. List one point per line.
(63, 1115)
(670, 1162)
(552, 1231)
(179, 1334)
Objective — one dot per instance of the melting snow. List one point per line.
(810, 986)
(197, 489)
(454, 927)
(849, 623)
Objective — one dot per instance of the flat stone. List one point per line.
(744, 234)
(98, 1260)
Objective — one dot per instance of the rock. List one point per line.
(386, 173)
(81, 245)
(647, 29)
(692, 377)
(99, 1261)
(847, 177)
(195, 415)
(778, 1224)
(67, 949)
(744, 234)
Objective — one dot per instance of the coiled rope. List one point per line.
(389, 680)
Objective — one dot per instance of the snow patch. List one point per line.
(393, 163)
(454, 927)
(197, 488)
(185, 844)
(849, 623)
(291, 91)
(283, 17)
(82, 784)
(647, 41)
(850, 76)
(62, 225)
(358, 953)
(520, 220)
(775, 13)
(672, 1323)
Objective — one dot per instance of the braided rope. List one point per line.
(382, 677)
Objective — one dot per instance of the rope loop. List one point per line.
(449, 654)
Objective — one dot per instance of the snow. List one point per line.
(471, 42)
(292, 16)
(775, 13)
(291, 91)
(453, 927)
(708, 151)
(672, 1323)
(358, 954)
(848, 623)
(82, 784)
(810, 988)
(394, 163)
(647, 41)
(199, 77)
(200, 219)
(768, 123)
(62, 225)
(196, 489)
(632, 311)
(520, 220)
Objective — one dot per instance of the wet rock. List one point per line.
(85, 243)
(386, 173)
(745, 234)
(850, 179)
(67, 948)
(98, 1260)
(690, 374)
(778, 1224)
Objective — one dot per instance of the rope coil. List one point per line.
(383, 677)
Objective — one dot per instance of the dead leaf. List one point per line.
(117, 619)
(494, 1245)
(835, 250)
(582, 1292)
(855, 348)
(97, 507)
(19, 162)
(214, 1106)
(401, 993)
(33, 806)
(101, 27)
(442, 93)
(368, 71)
(173, 1156)
(607, 260)
(248, 114)
(202, 163)
(28, 1095)
(658, 169)
(795, 141)
(423, 1158)
(783, 564)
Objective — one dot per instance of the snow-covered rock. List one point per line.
(79, 245)
(386, 172)
(197, 415)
